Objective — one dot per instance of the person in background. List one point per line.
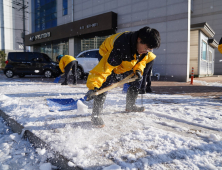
(66, 64)
(220, 46)
(146, 82)
(122, 53)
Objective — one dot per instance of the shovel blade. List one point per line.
(63, 104)
(57, 79)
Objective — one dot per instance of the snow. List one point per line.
(208, 84)
(112, 167)
(18, 153)
(174, 132)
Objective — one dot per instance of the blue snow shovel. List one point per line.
(71, 104)
(58, 78)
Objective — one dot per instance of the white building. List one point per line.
(11, 25)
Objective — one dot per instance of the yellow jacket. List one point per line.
(119, 54)
(220, 48)
(65, 60)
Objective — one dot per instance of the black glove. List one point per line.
(90, 95)
(139, 75)
(220, 41)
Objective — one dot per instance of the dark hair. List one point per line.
(150, 37)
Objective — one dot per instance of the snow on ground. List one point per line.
(217, 84)
(17, 153)
(174, 132)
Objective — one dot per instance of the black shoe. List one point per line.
(64, 83)
(97, 122)
(149, 90)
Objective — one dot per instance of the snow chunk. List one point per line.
(112, 167)
(214, 137)
(45, 166)
(71, 164)
(41, 151)
(81, 108)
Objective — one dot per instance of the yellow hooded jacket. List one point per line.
(65, 60)
(220, 46)
(119, 54)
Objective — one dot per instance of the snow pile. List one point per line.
(81, 108)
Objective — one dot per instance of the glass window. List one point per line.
(53, 48)
(46, 57)
(92, 43)
(30, 56)
(48, 25)
(20, 56)
(11, 56)
(47, 1)
(37, 3)
(65, 11)
(43, 26)
(36, 28)
(65, 7)
(47, 18)
(54, 23)
(45, 12)
(42, 2)
(48, 12)
(53, 16)
(204, 50)
(90, 54)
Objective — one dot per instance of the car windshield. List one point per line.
(47, 58)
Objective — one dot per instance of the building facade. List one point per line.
(210, 11)
(79, 25)
(11, 25)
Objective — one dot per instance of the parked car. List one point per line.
(87, 60)
(30, 63)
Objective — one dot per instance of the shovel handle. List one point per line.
(128, 79)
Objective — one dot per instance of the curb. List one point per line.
(60, 161)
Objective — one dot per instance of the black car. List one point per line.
(30, 63)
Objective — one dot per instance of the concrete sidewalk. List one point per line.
(198, 89)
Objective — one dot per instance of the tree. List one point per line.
(2, 59)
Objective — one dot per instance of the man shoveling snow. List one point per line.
(121, 53)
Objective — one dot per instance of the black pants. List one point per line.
(146, 82)
(72, 65)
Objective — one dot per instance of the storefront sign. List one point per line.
(99, 25)
(40, 36)
(89, 26)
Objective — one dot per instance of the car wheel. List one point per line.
(79, 73)
(9, 73)
(48, 73)
(21, 75)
